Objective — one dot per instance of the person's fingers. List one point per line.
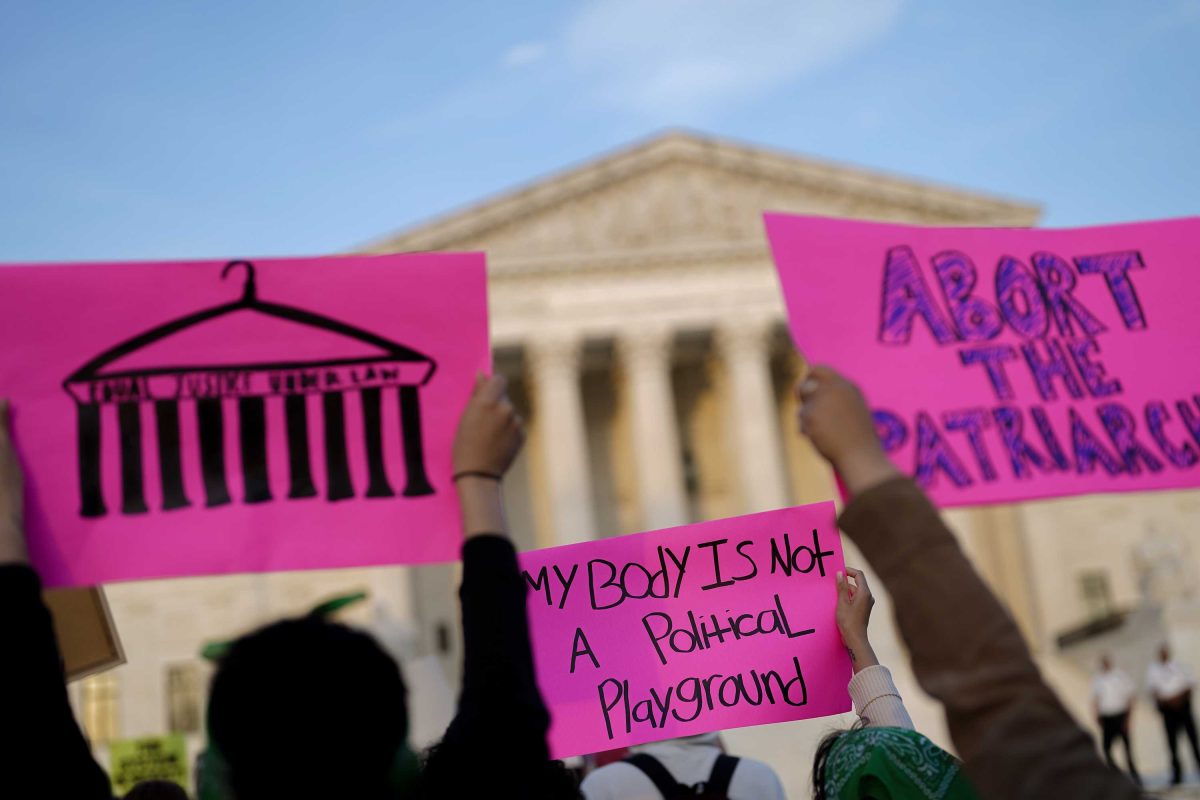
(843, 588)
(823, 373)
(807, 387)
(493, 388)
(860, 580)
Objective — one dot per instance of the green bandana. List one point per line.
(893, 764)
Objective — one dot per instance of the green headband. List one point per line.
(893, 764)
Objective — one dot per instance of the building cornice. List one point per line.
(857, 185)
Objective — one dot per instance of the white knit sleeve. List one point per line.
(876, 700)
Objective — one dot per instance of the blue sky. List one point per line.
(172, 129)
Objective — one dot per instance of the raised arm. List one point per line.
(876, 699)
(44, 752)
(496, 743)
(1013, 734)
(500, 696)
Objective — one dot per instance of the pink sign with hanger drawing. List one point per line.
(195, 418)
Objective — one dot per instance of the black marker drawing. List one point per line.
(102, 382)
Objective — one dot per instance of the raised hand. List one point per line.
(853, 616)
(490, 432)
(834, 415)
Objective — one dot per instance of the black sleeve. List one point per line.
(497, 739)
(500, 706)
(41, 746)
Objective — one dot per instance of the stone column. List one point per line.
(645, 355)
(754, 435)
(558, 413)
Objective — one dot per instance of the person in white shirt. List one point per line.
(1112, 699)
(690, 761)
(1170, 683)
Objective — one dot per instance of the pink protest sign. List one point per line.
(1010, 364)
(195, 418)
(682, 631)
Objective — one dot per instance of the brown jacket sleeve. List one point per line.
(1013, 734)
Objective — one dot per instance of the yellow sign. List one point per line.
(154, 758)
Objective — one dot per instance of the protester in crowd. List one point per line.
(883, 756)
(1170, 683)
(309, 692)
(496, 744)
(1113, 693)
(309, 708)
(683, 768)
(1012, 732)
(42, 751)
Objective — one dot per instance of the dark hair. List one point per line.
(442, 775)
(819, 762)
(307, 708)
(156, 790)
(821, 758)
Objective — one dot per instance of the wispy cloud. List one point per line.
(687, 58)
(524, 53)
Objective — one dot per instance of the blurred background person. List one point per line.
(1171, 683)
(1112, 699)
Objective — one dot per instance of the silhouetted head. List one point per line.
(308, 708)
(156, 790)
(1105, 662)
(1164, 654)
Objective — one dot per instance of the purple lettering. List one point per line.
(1046, 368)
(1049, 438)
(1020, 299)
(1089, 449)
(1058, 281)
(893, 433)
(905, 295)
(1120, 424)
(1115, 269)
(976, 319)
(992, 357)
(934, 453)
(1011, 425)
(972, 421)
(1156, 418)
(1093, 373)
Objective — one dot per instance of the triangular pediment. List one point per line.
(681, 190)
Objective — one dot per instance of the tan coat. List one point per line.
(1014, 736)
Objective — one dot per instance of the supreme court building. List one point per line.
(634, 307)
